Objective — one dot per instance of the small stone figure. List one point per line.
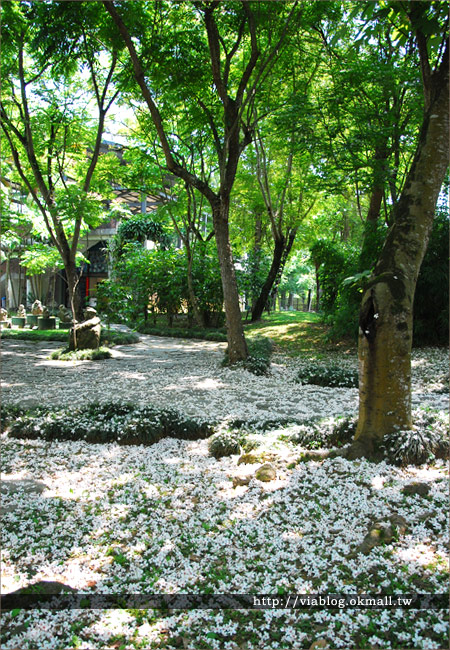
(45, 312)
(65, 315)
(86, 335)
(21, 313)
(3, 315)
(36, 308)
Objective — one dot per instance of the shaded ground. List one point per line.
(170, 519)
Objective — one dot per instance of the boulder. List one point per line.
(241, 480)
(422, 489)
(86, 335)
(266, 472)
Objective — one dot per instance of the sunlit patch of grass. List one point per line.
(290, 332)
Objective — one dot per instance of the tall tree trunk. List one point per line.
(74, 294)
(284, 257)
(263, 297)
(237, 347)
(317, 267)
(190, 282)
(385, 335)
(366, 257)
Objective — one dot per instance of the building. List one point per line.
(17, 287)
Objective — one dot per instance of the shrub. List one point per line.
(113, 337)
(427, 440)
(123, 423)
(9, 413)
(316, 434)
(183, 333)
(64, 354)
(258, 360)
(223, 444)
(328, 375)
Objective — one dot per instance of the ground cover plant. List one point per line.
(64, 354)
(183, 332)
(107, 422)
(331, 375)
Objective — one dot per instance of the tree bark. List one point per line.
(263, 297)
(385, 335)
(237, 346)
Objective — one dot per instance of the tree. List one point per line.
(287, 204)
(227, 49)
(385, 320)
(48, 128)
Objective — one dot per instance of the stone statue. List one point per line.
(36, 308)
(21, 313)
(65, 315)
(45, 312)
(86, 335)
(3, 315)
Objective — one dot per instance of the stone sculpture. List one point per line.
(45, 312)
(3, 315)
(21, 313)
(86, 335)
(65, 315)
(36, 308)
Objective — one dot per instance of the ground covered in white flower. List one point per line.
(167, 519)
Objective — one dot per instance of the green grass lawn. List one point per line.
(107, 336)
(292, 332)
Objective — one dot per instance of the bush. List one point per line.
(183, 332)
(328, 375)
(316, 434)
(258, 361)
(64, 354)
(223, 444)
(427, 440)
(113, 337)
(9, 413)
(123, 423)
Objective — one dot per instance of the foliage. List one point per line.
(141, 227)
(157, 280)
(183, 332)
(223, 443)
(428, 439)
(318, 433)
(64, 354)
(251, 273)
(335, 262)
(431, 300)
(259, 352)
(122, 423)
(328, 375)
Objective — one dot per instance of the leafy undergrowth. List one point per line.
(181, 332)
(125, 424)
(64, 354)
(330, 375)
(259, 354)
